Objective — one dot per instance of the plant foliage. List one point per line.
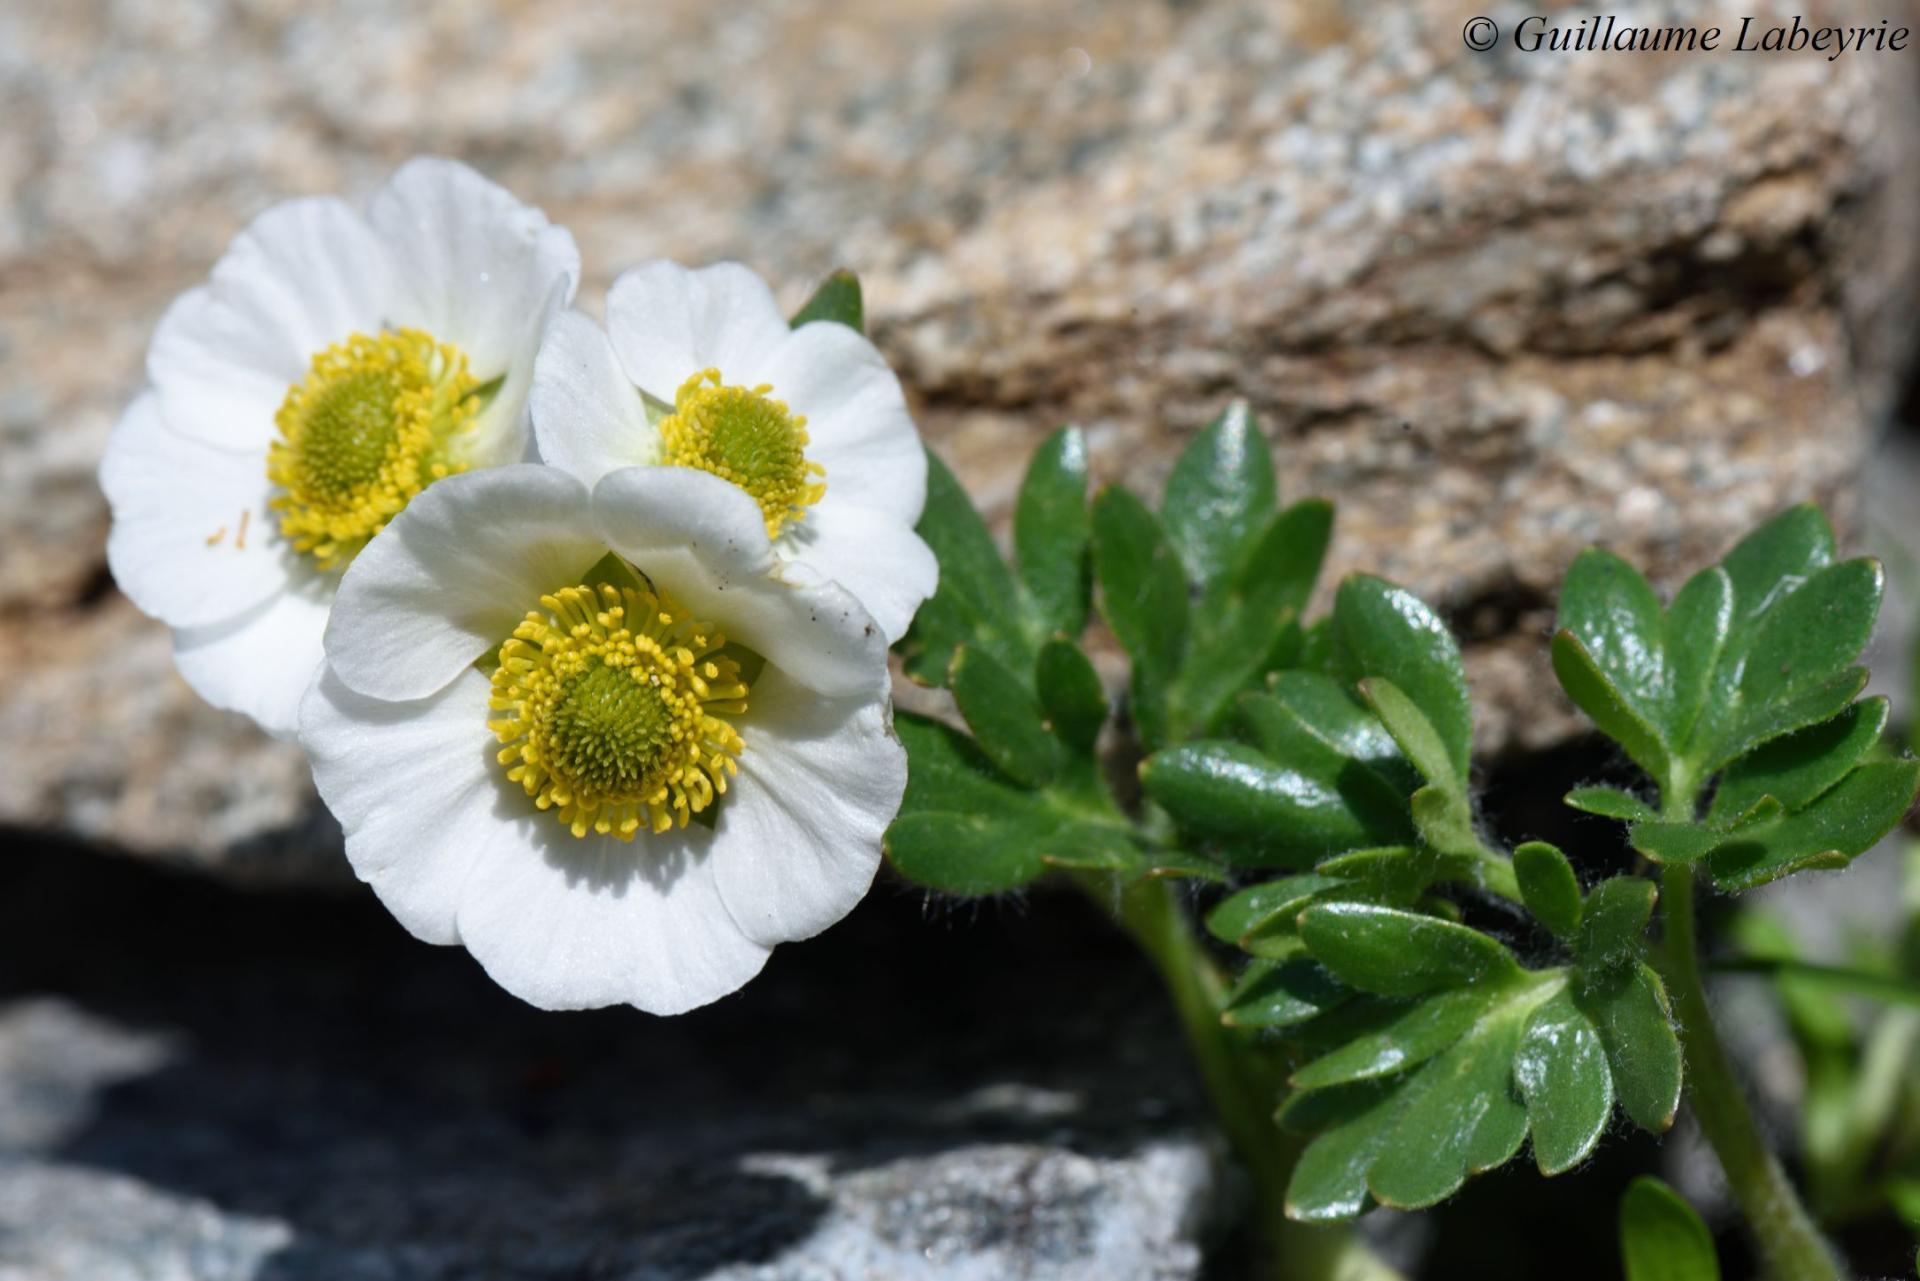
(1322, 771)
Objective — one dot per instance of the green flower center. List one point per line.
(611, 703)
(611, 728)
(375, 421)
(743, 435)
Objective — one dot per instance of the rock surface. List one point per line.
(299, 1092)
(1497, 305)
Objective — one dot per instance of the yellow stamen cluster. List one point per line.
(376, 420)
(610, 702)
(743, 435)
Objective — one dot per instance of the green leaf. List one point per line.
(1629, 1010)
(1365, 783)
(1798, 668)
(964, 853)
(1799, 767)
(1416, 1035)
(1409, 1135)
(1464, 1119)
(1697, 626)
(1611, 614)
(1783, 552)
(1843, 823)
(948, 773)
(1099, 847)
(1614, 921)
(1322, 708)
(1247, 624)
(1234, 916)
(976, 603)
(1412, 731)
(1282, 994)
(1561, 1070)
(1609, 802)
(1409, 1101)
(1005, 717)
(1396, 875)
(1329, 1180)
(1220, 495)
(1607, 706)
(1252, 811)
(1071, 694)
(1051, 532)
(964, 826)
(1755, 649)
(1549, 887)
(1387, 632)
(1673, 842)
(837, 299)
(1400, 954)
(1662, 1238)
(1143, 595)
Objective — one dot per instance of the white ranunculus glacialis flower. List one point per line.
(614, 778)
(699, 369)
(334, 365)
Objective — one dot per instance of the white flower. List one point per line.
(711, 746)
(699, 369)
(333, 365)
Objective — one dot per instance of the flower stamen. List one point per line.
(376, 420)
(611, 703)
(743, 435)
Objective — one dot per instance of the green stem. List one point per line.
(1790, 1244)
(1241, 1084)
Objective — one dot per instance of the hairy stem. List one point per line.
(1790, 1244)
(1241, 1084)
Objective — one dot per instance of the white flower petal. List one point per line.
(669, 323)
(857, 418)
(417, 790)
(306, 274)
(704, 541)
(587, 415)
(798, 837)
(452, 575)
(261, 663)
(193, 541)
(567, 923)
(874, 555)
(476, 267)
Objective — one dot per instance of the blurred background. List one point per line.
(1497, 306)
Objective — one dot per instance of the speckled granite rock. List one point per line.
(204, 1084)
(1496, 305)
